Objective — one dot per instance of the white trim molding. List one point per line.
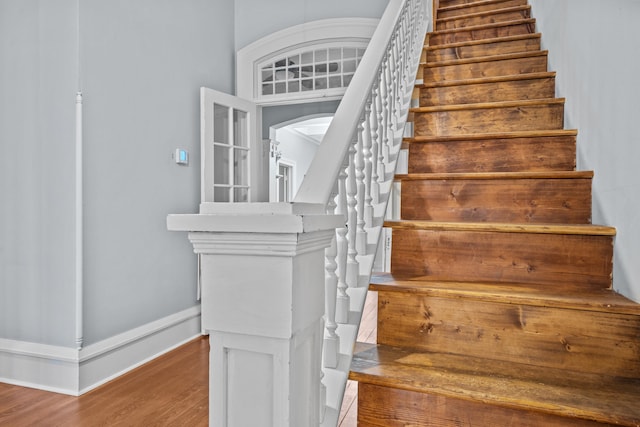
(74, 372)
(354, 32)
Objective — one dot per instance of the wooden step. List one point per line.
(564, 328)
(484, 31)
(499, 152)
(488, 89)
(486, 47)
(477, 7)
(481, 18)
(486, 66)
(400, 387)
(519, 197)
(504, 253)
(449, 3)
(505, 116)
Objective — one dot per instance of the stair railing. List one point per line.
(352, 175)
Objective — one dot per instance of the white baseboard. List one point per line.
(41, 366)
(69, 371)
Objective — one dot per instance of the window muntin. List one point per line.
(304, 71)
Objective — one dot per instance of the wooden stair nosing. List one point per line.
(492, 79)
(485, 26)
(483, 41)
(513, 385)
(502, 135)
(483, 13)
(489, 105)
(565, 229)
(541, 295)
(491, 58)
(495, 175)
(466, 5)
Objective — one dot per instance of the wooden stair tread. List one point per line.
(488, 105)
(496, 135)
(485, 26)
(507, 384)
(485, 59)
(577, 297)
(492, 79)
(484, 13)
(484, 41)
(567, 229)
(466, 5)
(496, 175)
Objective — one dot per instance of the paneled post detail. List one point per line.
(263, 305)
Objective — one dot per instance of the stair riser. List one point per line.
(513, 90)
(476, 70)
(486, 120)
(556, 153)
(444, 12)
(579, 341)
(481, 34)
(380, 406)
(449, 3)
(468, 21)
(539, 201)
(485, 49)
(503, 257)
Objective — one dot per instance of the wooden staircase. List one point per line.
(499, 310)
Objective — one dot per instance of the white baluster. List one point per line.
(342, 303)
(352, 218)
(384, 142)
(331, 339)
(375, 185)
(361, 234)
(368, 167)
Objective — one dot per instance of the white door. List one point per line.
(229, 146)
(285, 182)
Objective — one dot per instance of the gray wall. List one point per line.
(142, 64)
(258, 18)
(38, 55)
(595, 48)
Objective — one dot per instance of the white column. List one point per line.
(263, 304)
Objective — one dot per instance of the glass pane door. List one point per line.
(228, 134)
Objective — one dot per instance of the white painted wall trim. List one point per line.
(308, 34)
(69, 371)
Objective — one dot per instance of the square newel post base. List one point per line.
(262, 281)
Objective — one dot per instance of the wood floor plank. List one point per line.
(171, 390)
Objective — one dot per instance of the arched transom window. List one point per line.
(308, 62)
(326, 68)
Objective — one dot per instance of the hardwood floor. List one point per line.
(172, 390)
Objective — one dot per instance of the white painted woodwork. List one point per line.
(263, 305)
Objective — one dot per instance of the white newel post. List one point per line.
(262, 271)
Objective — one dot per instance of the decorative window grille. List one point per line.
(327, 69)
